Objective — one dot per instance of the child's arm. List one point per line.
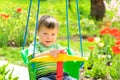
(51, 52)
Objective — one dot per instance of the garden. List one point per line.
(100, 38)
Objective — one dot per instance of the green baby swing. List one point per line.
(64, 62)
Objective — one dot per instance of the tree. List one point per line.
(97, 9)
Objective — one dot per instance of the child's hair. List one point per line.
(48, 22)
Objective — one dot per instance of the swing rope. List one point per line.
(79, 28)
(35, 34)
(67, 27)
(36, 28)
(26, 30)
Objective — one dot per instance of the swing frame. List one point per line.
(76, 65)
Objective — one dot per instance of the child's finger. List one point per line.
(62, 51)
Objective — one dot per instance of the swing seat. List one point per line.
(24, 54)
(69, 62)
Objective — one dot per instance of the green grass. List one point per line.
(11, 54)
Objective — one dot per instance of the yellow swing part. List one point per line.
(61, 57)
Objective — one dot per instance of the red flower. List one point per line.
(115, 32)
(105, 31)
(118, 37)
(117, 42)
(116, 49)
(5, 16)
(2, 15)
(90, 39)
(19, 10)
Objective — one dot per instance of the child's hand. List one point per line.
(53, 52)
(63, 51)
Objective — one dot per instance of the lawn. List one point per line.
(11, 54)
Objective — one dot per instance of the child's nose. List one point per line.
(48, 36)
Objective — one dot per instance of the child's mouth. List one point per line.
(48, 42)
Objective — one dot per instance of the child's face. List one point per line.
(47, 36)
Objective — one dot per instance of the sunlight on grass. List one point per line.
(11, 54)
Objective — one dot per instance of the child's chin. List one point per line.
(47, 45)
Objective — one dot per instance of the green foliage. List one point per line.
(89, 26)
(6, 74)
(103, 62)
(115, 69)
(93, 69)
(3, 37)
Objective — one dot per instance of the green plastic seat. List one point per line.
(71, 67)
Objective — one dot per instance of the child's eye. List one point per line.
(53, 34)
(45, 33)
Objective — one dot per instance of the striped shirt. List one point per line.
(43, 68)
